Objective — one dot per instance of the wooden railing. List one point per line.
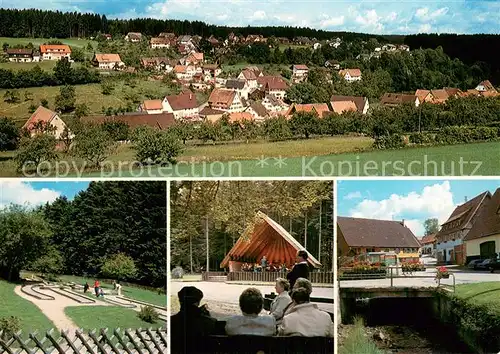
(268, 277)
(104, 341)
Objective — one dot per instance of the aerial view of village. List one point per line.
(82, 267)
(419, 266)
(89, 94)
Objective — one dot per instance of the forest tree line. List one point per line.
(229, 210)
(78, 236)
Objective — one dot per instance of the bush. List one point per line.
(9, 326)
(148, 314)
(394, 141)
(422, 138)
(156, 147)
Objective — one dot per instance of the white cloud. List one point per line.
(258, 16)
(222, 17)
(425, 28)
(183, 3)
(424, 13)
(353, 195)
(370, 21)
(416, 226)
(286, 18)
(332, 21)
(439, 12)
(434, 201)
(16, 192)
(391, 17)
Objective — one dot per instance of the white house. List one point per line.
(273, 104)
(240, 86)
(133, 37)
(274, 85)
(183, 105)
(151, 107)
(55, 51)
(107, 61)
(251, 76)
(185, 72)
(43, 117)
(159, 42)
(299, 73)
(226, 100)
(350, 75)
(485, 86)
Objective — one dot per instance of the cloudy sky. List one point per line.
(373, 16)
(414, 201)
(37, 193)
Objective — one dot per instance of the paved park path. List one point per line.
(54, 309)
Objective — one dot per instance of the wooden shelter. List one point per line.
(269, 239)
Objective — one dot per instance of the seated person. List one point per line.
(299, 283)
(191, 322)
(280, 302)
(250, 322)
(305, 319)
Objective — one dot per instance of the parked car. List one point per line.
(474, 263)
(494, 265)
(485, 264)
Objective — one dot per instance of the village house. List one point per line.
(225, 100)
(358, 236)
(134, 120)
(350, 75)
(450, 238)
(193, 59)
(211, 71)
(240, 86)
(483, 239)
(424, 96)
(42, 118)
(335, 65)
(258, 111)
(239, 117)
(255, 38)
(395, 99)
(184, 39)
(151, 107)
(133, 37)
(274, 85)
(210, 114)
(299, 73)
(429, 245)
(250, 75)
(319, 108)
(213, 41)
(274, 104)
(22, 55)
(168, 35)
(159, 42)
(184, 105)
(185, 72)
(107, 61)
(55, 51)
(485, 86)
(341, 104)
(159, 64)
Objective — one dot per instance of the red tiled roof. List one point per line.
(319, 108)
(272, 82)
(185, 100)
(207, 111)
(376, 233)
(343, 103)
(161, 121)
(397, 98)
(352, 72)
(428, 239)
(107, 58)
(240, 116)
(42, 114)
(300, 67)
(58, 48)
(222, 96)
(488, 219)
(160, 40)
(152, 105)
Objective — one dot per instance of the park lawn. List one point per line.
(112, 317)
(32, 319)
(487, 294)
(90, 94)
(133, 293)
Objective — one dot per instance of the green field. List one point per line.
(92, 317)
(74, 42)
(487, 294)
(90, 94)
(45, 65)
(31, 317)
(454, 160)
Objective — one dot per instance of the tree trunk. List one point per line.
(191, 252)
(290, 225)
(305, 231)
(208, 250)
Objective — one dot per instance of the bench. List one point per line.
(258, 345)
(268, 298)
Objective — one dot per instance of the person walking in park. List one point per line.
(86, 287)
(280, 302)
(191, 322)
(250, 322)
(96, 287)
(300, 269)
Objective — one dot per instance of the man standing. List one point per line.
(300, 269)
(263, 263)
(96, 288)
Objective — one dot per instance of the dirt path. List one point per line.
(54, 309)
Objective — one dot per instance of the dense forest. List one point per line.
(78, 236)
(230, 209)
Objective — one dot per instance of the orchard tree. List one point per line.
(81, 110)
(156, 147)
(35, 150)
(66, 100)
(9, 134)
(93, 144)
(277, 128)
(63, 71)
(304, 123)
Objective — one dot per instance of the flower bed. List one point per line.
(362, 270)
(411, 267)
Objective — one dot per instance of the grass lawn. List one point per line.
(358, 342)
(90, 94)
(13, 305)
(189, 277)
(92, 317)
(74, 42)
(45, 65)
(487, 294)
